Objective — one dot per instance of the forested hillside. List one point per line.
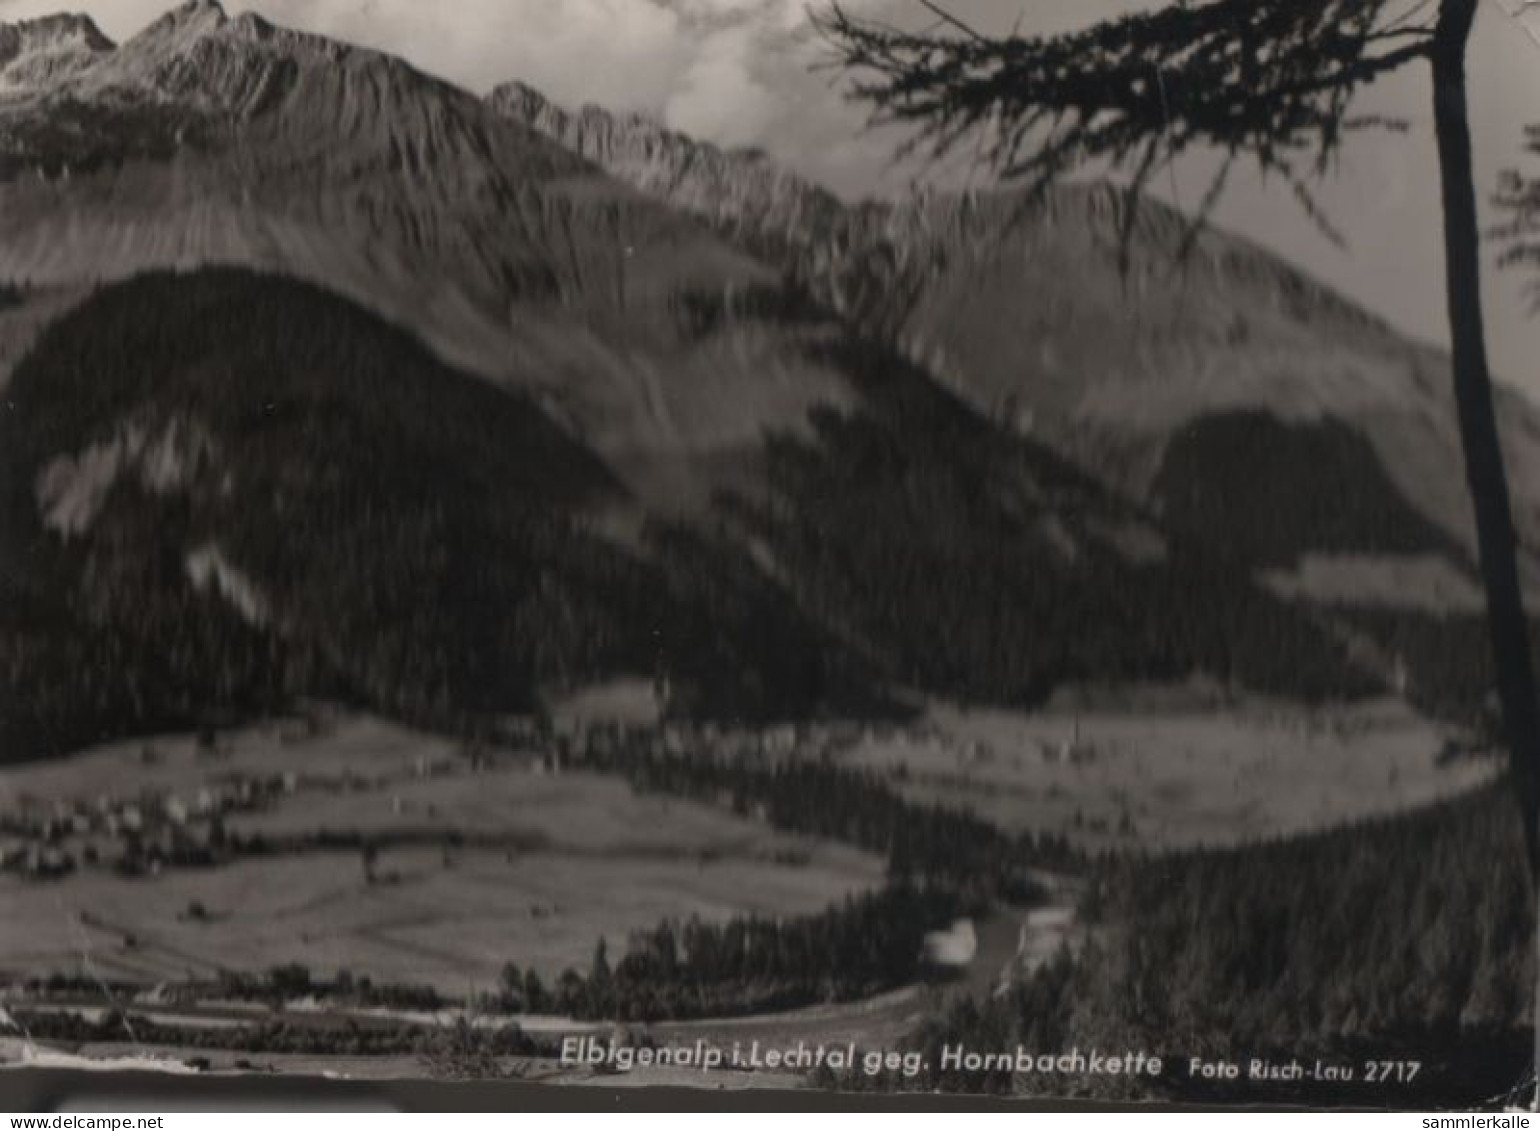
(1268, 491)
(230, 489)
(983, 566)
(225, 488)
(1409, 937)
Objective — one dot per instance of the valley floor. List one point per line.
(1161, 775)
(418, 861)
(472, 867)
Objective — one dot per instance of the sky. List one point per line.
(746, 72)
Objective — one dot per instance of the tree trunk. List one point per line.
(1496, 540)
(1487, 478)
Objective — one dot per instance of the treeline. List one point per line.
(446, 1046)
(1412, 935)
(928, 844)
(974, 563)
(1448, 659)
(858, 948)
(293, 981)
(942, 864)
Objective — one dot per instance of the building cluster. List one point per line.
(148, 831)
(139, 834)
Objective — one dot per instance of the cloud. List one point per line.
(751, 79)
(117, 18)
(624, 53)
(719, 96)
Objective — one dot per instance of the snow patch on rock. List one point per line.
(36, 53)
(72, 489)
(210, 571)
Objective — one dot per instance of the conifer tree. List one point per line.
(1272, 82)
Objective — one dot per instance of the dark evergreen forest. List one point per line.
(1407, 937)
(422, 540)
(980, 565)
(424, 544)
(1265, 491)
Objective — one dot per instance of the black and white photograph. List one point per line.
(864, 548)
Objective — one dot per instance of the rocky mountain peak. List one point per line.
(56, 30)
(179, 29)
(198, 59)
(599, 134)
(490, 228)
(862, 258)
(522, 102)
(251, 26)
(193, 16)
(760, 203)
(36, 52)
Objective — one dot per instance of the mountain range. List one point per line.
(1025, 310)
(799, 454)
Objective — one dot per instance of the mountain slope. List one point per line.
(674, 309)
(745, 195)
(982, 566)
(234, 489)
(488, 424)
(240, 489)
(1024, 310)
(209, 140)
(34, 53)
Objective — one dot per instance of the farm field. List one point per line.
(1175, 777)
(452, 927)
(475, 867)
(482, 857)
(341, 747)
